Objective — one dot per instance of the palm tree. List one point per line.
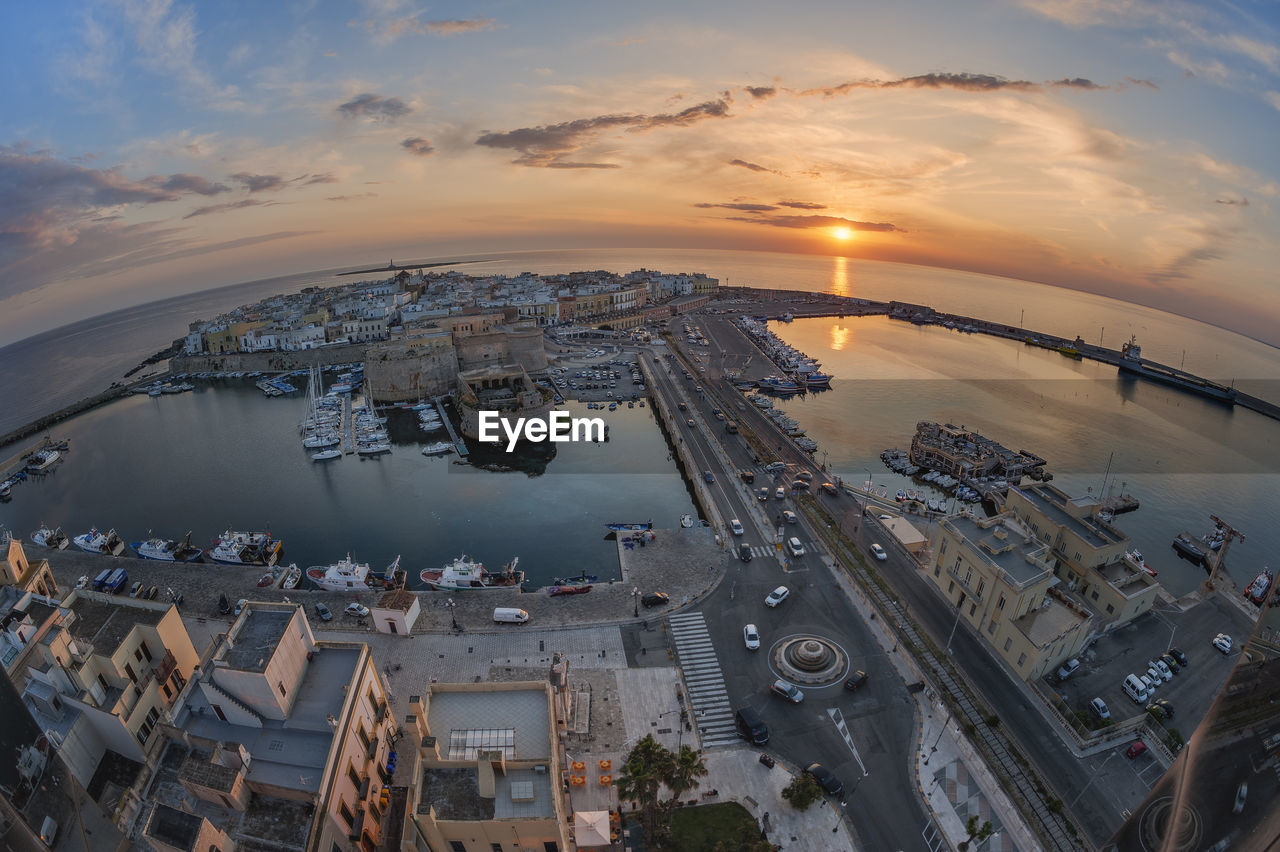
(647, 764)
(685, 770)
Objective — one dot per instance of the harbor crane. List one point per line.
(1216, 559)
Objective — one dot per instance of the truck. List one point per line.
(101, 580)
(118, 580)
(731, 427)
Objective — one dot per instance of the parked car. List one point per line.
(224, 605)
(855, 680)
(1068, 668)
(736, 526)
(789, 691)
(153, 592)
(744, 552)
(1223, 643)
(1165, 707)
(1100, 709)
(751, 637)
(1169, 661)
(777, 596)
(1242, 793)
(825, 778)
(240, 605)
(82, 582)
(323, 612)
(1180, 657)
(1135, 750)
(1162, 667)
(135, 589)
(878, 552)
(359, 610)
(655, 599)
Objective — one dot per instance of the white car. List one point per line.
(357, 609)
(751, 637)
(777, 596)
(736, 526)
(82, 582)
(796, 548)
(1223, 643)
(789, 516)
(1162, 667)
(878, 552)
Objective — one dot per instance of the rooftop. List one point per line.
(1053, 503)
(1045, 625)
(174, 827)
(397, 599)
(1125, 578)
(515, 720)
(259, 632)
(104, 620)
(1024, 562)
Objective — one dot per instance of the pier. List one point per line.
(348, 426)
(458, 444)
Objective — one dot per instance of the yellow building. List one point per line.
(226, 339)
(487, 771)
(1000, 580)
(18, 571)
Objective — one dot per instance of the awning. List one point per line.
(591, 828)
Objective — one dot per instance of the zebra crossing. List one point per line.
(761, 550)
(704, 682)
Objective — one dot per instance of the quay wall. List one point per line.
(36, 426)
(268, 361)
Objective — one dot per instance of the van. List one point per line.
(101, 580)
(751, 727)
(48, 831)
(118, 580)
(509, 615)
(1135, 689)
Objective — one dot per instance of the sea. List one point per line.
(226, 456)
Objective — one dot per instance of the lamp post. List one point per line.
(449, 603)
(635, 599)
(953, 630)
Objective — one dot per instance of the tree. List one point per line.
(683, 775)
(642, 777)
(976, 832)
(802, 792)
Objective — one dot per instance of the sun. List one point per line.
(842, 233)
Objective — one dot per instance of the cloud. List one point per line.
(230, 205)
(547, 146)
(374, 108)
(165, 36)
(755, 167)
(1232, 202)
(751, 208)
(418, 146)
(449, 28)
(805, 222)
(1272, 98)
(355, 197)
(964, 82)
(260, 183)
(802, 205)
(308, 180)
(760, 92)
(187, 183)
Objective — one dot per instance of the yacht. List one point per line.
(55, 538)
(320, 440)
(340, 576)
(43, 459)
(325, 455)
(245, 548)
(107, 543)
(438, 448)
(292, 577)
(167, 550)
(375, 448)
(463, 573)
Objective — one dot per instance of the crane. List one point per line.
(1217, 558)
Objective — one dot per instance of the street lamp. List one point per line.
(953, 629)
(635, 599)
(449, 603)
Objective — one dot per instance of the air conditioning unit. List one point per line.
(540, 769)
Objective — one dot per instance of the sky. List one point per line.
(152, 148)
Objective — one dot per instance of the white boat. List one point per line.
(291, 577)
(167, 550)
(325, 455)
(467, 574)
(340, 576)
(55, 538)
(438, 448)
(245, 548)
(43, 459)
(375, 448)
(107, 543)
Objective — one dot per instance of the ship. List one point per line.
(1187, 548)
(43, 459)
(1257, 591)
(108, 543)
(245, 548)
(621, 527)
(167, 550)
(343, 575)
(466, 574)
(1131, 362)
(54, 539)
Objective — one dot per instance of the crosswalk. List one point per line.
(704, 682)
(761, 550)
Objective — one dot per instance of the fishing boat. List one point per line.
(620, 527)
(54, 539)
(686, 521)
(245, 548)
(167, 550)
(1188, 549)
(818, 380)
(43, 459)
(1135, 556)
(466, 574)
(1257, 591)
(107, 543)
(557, 591)
(266, 579)
(583, 579)
(292, 577)
(340, 576)
(438, 448)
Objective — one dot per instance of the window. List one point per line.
(164, 687)
(1077, 557)
(373, 700)
(128, 669)
(937, 569)
(991, 628)
(353, 775)
(364, 738)
(1000, 603)
(1008, 643)
(1094, 595)
(280, 686)
(951, 587)
(146, 652)
(942, 550)
(217, 711)
(1022, 658)
(968, 575)
(982, 584)
(973, 607)
(457, 846)
(496, 847)
(1110, 609)
(345, 812)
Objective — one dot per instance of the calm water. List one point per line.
(227, 456)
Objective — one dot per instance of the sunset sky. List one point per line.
(155, 148)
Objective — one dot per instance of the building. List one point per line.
(171, 830)
(303, 725)
(1089, 553)
(395, 612)
(21, 573)
(507, 390)
(487, 769)
(1000, 580)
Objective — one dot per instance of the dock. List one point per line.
(348, 426)
(458, 444)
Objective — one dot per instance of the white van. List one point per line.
(509, 615)
(1135, 689)
(48, 831)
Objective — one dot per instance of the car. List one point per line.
(856, 680)
(655, 599)
(799, 485)
(763, 495)
(751, 637)
(825, 778)
(720, 415)
(1169, 661)
(153, 592)
(830, 488)
(777, 596)
(1165, 707)
(690, 423)
(805, 475)
(744, 552)
(1067, 669)
(698, 388)
(796, 548)
(359, 610)
(323, 612)
(1136, 749)
(789, 691)
(1154, 673)
(886, 517)
(1162, 667)
(1149, 683)
(1223, 643)
(781, 493)
(708, 477)
(747, 476)
(82, 582)
(878, 552)
(774, 467)
(1100, 709)
(49, 831)
(736, 526)
(135, 589)
(1242, 793)
(1180, 657)
(240, 605)
(789, 516)
(224, 605)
